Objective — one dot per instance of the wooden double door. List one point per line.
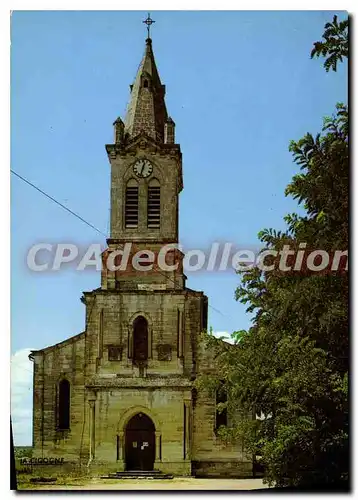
(140, 443)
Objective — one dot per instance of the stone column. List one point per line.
(121, 451)
(118, 131)
(180, 334)
(121, 445)
(180, 346)
(91, 403)
(169, 131)
(158, 444)
(187, 403)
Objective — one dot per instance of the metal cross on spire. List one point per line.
(148, 22)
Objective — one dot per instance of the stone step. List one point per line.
(138, 474)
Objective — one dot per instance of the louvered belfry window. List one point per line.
(131, 204)
(153, 212)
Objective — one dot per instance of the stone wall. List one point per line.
(110, 320)
(105, 394)
(164, 405)
(64, 360)
(167, 169)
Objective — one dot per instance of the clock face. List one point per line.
(143, 168)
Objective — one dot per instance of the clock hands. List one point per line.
(143, 168)
(145, 171)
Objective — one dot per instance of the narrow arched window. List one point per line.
(64, 404)
(221, 407)
(131, 204)
(153, 209)
(145, 85)
(140, 339)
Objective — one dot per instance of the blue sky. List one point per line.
(240, 86)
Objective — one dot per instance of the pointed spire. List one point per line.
(146, 111)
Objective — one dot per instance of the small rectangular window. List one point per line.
(114, 353)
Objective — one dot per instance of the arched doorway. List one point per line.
(140, 443)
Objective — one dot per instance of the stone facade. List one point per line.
(131, 373)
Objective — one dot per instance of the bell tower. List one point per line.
(146, 164)
(146, 179)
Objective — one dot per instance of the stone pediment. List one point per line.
(59, 345)
(141, 141)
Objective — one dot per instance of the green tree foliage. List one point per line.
(291, 367)
(335, 44)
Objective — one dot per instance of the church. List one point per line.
(121, 396)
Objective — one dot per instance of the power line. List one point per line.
(216, 310)
(58, 203)
(91, 225)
